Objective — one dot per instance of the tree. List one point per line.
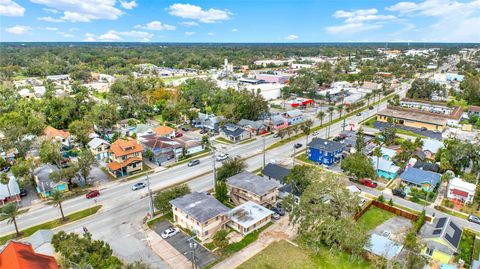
(221, 191)
(360, 141)
(10, 211)
(377, 152)
(86, 161)
(320, 116)
(81, 130)
(388, 134)
(300, 177)
(220, 239)
(331, 110)
(57, 199)
(50, 152)
(307, 128)
(23, 168)
(205, 141)
(423, 88)
(137, 265)
(471, 89)
(4, 179)
(230, 168)
(149, 154)
(358, 165)
(163, 198)
(324, 215)
(104, 116)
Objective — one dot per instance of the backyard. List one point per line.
(374, 217)
(299, 257)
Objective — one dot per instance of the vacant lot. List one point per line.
(374, 217)
(283, 255)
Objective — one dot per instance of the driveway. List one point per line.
(397, 226)
(180, 242)
(431, 134)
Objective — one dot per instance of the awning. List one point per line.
(460, 193)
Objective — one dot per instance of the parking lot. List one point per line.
(180, 242)
(431, 134)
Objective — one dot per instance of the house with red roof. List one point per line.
(18, 255)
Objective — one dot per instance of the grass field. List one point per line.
(283, 255)
(374, 217)
(52, 224)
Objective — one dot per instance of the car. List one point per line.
(6, 169)
(92, 193)
(359, 114)
(23, 192)
(279, 211)
(221, 157)
(276, 135)
(193, 163)
(437, 131)
(474, 218)
(178, 134)
(170, 232)
(138, 186)
(368, 182)
(399, 193)
(423, 129)
(203, 131)
(297, 145)
(315, 133)
(370, 107)
(275, 216)
(185, 129)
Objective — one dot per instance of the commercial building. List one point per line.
(270, 78)
(412, 118)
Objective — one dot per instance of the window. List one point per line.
(206, 232)
(216, 218)
(429, 251)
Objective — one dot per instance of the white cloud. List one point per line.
(49, 19)
(50, 10)
(11, 9)
(156, 26)
(211, 33)
(128, 5)
(189, 23)
(291, 37)
(188, 11)
(234, 30)
(51, 28)
(113, 35)
(83, 10)
(89, 39)
(189, 33)
(358, 20)
(67, 35)
(18, 29)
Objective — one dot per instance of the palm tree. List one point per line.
(368, 96)
(289, 131)
(4, 180)
(340, 109)
(10, 211)
(320, 116)
(377, 152)
(281, 133)
(306, 128)
(57, 198)
(330, 112)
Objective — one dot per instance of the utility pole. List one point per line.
(214, 169)
(294, 152)
(152, 208)
(193, 245)
(264, 152)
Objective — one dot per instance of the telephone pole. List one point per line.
(214, 169)
(152, 209)
(264, 152)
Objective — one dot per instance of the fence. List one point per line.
(395, 210)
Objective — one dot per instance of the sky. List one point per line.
(240, 21)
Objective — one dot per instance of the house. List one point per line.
(248, 217)
(427, 166)
(383, 246)
(276, 172)
(246, 186)
(474, 110)
(208, 121)
(419, 178)
(431, 147)
(190, 145)
(41, 242)
(294, 116)
(324, 151)
(386, 168)
(460, 191)
(44, 184)
(11, 191)
(19, 255)
(99, 148)
(234, 133)
(200, 213)
(125, 158)
(270, 78)
(163, 148)
(278, 122)
(388, 154)
(60, 136)
(164, 131)
(441, 239)
(254, 127)
(26, 93)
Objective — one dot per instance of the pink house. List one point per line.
(279, 122)
(282, 79)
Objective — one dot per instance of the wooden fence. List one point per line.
(395, 210)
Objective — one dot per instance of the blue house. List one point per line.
(420, 178)
(386, 168)
(324, 151)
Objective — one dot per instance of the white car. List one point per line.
(170, 232)
(315, 133)
(221, 157)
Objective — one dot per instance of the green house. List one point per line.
(441, 239)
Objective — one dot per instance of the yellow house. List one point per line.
(99, 148)
(441, 239)
(125, 158)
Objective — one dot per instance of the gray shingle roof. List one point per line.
(325, 145)
(275, 171)
(252, 183)
(200, 206)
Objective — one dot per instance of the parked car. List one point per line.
(437, 131)
(23, 192)
(368, 182)
(92, 193)
(193, 163)
(474, 219)
(185, 129)
(297, 145)
(370, 107)
(221, 157)
(315, 133)
(203, 131)
(276, 135)
(279, 211)
(178, 134)
(359, 114)
(276, 216)
(138, 186)
(170, 232)
(399, 193)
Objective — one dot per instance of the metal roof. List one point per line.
(249, 213)
(252, 183)
(200, 206)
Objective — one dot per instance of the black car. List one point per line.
(399, 193)
(203, 131)
(279, 211)
(474, 219)
(297, 145)
(23, 192)
(423, 129)
(370, 107)
(185, 129)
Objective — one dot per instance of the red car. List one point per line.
(93, 193)
(368, 182)
(178, 134)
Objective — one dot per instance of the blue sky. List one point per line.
(240, 20)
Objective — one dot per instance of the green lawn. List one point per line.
(374, 217)
(52, 224)
(223, 140)
(283, 255)
(465, 249)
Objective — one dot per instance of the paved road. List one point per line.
(119, 221)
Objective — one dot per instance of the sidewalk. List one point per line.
(278, 231)
(166, 252)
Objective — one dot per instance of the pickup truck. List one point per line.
(368, 182)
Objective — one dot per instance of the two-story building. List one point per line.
(324, 151)
(164, 131)
(248, 217)
(99, 148)
(246, 186)
(460, 191)
(163, 148)
(125, 158)
(200, 213)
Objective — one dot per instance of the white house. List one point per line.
(460, 191)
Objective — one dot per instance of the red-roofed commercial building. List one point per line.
(17, 255)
